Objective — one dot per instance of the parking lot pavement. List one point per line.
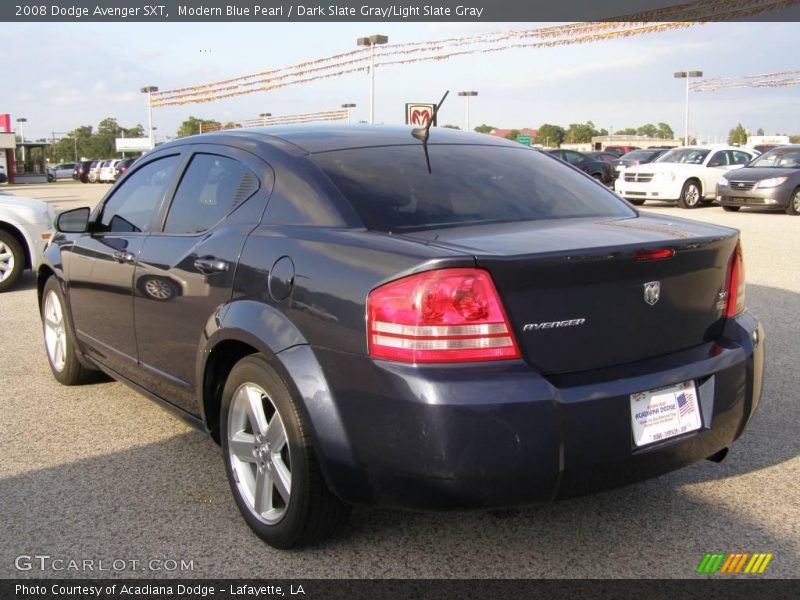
(99, 472)
(63, 195)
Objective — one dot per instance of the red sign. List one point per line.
(5, 123)
(418, 114)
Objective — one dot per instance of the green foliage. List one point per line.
(649, 130)
(627, 131)
(484, 128)
(760, 131)
(737, 135)
(795, 139)
(550, 135)
(512, 135)
(91, 143)
(451, 127)
(665, 131)
(579, 133)
(193, 126)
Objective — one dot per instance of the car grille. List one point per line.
(638, 177)
(742, 185)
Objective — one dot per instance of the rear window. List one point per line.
(391, 190)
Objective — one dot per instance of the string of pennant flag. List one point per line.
(765, 80)
(344, 63)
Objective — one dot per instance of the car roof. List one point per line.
(314, 138)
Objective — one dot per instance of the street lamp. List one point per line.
(468, 95)
(372, 41)
(264, 117)
(22, 121)
(149, 91)
(687, 75)
(348, 106)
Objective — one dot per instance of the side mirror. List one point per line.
(73, 221)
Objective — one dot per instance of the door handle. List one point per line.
(124, 257)
(210, 264)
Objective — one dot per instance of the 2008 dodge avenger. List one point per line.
(418, 319)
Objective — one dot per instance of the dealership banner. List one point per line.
(388, 11)
(398, 589)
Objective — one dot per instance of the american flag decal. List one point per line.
(684, 406)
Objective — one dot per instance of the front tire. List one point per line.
(59, 340)
(270, 461)
(12, 261)
(731, 208)
(690, 195)
(636, 201)
(794, 204)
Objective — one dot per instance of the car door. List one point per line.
(720, 163)
(185, 270)
(100, 264)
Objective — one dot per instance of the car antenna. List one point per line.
(423, 133)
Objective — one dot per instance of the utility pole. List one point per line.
(372, 41)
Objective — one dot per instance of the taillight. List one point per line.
(446, 315)
(736, 284)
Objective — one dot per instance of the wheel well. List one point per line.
(41, 278)
(698, 182)
(10, 229)
(220, 362)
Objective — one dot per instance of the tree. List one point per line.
(193, 126)
(738, 135)
(512, 135)
(760, 131)
(794, 139)
(550, 135)
(627, 131)
(649, 130)
(484, 128)
(665, 131)
(451, 127)
(580, 133)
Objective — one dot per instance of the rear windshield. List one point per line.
(391, 189)
(641, 154)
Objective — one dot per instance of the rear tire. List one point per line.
(690, 195)
(731, 208)
(12, 261)
(636, 201)
(794, 204)
(59, 339)
(270, 461)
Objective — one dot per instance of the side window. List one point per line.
(212, 187)
(572, 158)
(720, 159)
(132, 205)
(740, 158)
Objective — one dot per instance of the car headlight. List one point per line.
(771, 182)
(665, 176)
(722, 181)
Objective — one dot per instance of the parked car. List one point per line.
(107, 173)
(25, 226)
(81, 171)
(94, 170)
(687, 175)
(461, 322)
(60, 171)
(620, 150)
(599, 169)
(122, 167)
(771, 180)
(637, 157)
(604, 156)
(761, 148)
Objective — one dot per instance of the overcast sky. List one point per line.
(62, 75)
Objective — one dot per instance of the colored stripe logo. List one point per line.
(738, 563)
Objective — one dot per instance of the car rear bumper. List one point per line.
(498, 434)
(777, 197)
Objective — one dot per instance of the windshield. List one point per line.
(689, 156)
(390, 187)
(778, 158)
(640, 155)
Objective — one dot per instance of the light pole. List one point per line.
(22, 121)
(687, 75)
(348, 106)
(149, 91)
(264, 117)
(372, 41)
(468, 95)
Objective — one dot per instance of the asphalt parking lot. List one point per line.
(100, 472)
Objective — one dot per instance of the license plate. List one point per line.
(658, 415)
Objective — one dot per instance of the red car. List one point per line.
(619, 150)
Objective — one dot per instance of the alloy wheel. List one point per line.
(795, 203)
(158, 289)
(259, 453)
(55, 334)
(692, 195)
(6, 262)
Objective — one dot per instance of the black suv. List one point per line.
(365, 315)
(81, 171)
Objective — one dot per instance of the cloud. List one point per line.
(100, 86)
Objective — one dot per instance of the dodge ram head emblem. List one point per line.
(652, 292)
